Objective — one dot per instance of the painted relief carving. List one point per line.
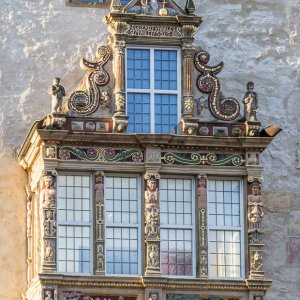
(226, 109)
(251, 103)
(48, 221)
(71, 295)
(154, 8)
(211, 159)
(57, 92)
(99, 203)
(152, 223)
(202, 225)
(86, 101)
(100, 154)
(153, 296)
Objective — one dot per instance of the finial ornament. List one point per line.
(190, 7)
(251, 103)
(57, 92)
(163, 11)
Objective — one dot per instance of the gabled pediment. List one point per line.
(154, 8)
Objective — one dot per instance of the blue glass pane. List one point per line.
(138, 110)
(165, 66)
(165, 113)
(138, 68)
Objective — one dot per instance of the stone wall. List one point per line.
(257, 39)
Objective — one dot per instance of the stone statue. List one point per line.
(256, 261)
(48, 193)
(251, 103)
(48, 295)
(151, 193)
(57, 92)
(99, 190)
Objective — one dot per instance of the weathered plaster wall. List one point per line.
(257, 39)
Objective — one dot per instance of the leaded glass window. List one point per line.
(225, 228)
(122, 225)
(152, 79)
(177, 227)
(74, 232)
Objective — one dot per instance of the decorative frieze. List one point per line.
(152, 224)
(100, 154)
(202, 265)
(48, 221)
(211, 159)
(99, 222)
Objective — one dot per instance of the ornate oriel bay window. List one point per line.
(138, 188)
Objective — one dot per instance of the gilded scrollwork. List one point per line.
(226, 109)
(86, 102)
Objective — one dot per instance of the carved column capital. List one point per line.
(188, 51)
(119, 47)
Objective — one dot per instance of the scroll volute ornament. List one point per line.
(225, 109)
(86, 102)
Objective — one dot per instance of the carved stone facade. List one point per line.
(88, 135)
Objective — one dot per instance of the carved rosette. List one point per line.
(225, 109)
(255, 214)
(152, 224)
(48, 220)
(99, 220)
(202, 226)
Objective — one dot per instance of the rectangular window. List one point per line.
(153, 90)
(74, 224)
(225, 234)
(177, 223)
(122, 200)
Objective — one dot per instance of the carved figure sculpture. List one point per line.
(58, 92)
(201, 190)
(256, 261)
(48, 193)
(99, 189)
(251, 103)
(48, 295)
(151, 193)
(153, 296)
(145, 7)
(153, 255)
(255, 212)
(152, 222)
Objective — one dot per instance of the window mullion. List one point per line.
(152, 88)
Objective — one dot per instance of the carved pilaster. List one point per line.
(188, 52)
(48, 221)
(99, 220)
(255, 214)
(152, 224)
(29, 234)
(202, 266)
(119, 72)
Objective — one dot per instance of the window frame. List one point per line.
(241, 229)
(66, 223)
(192, 227)
(140, 238)
(152, 91)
